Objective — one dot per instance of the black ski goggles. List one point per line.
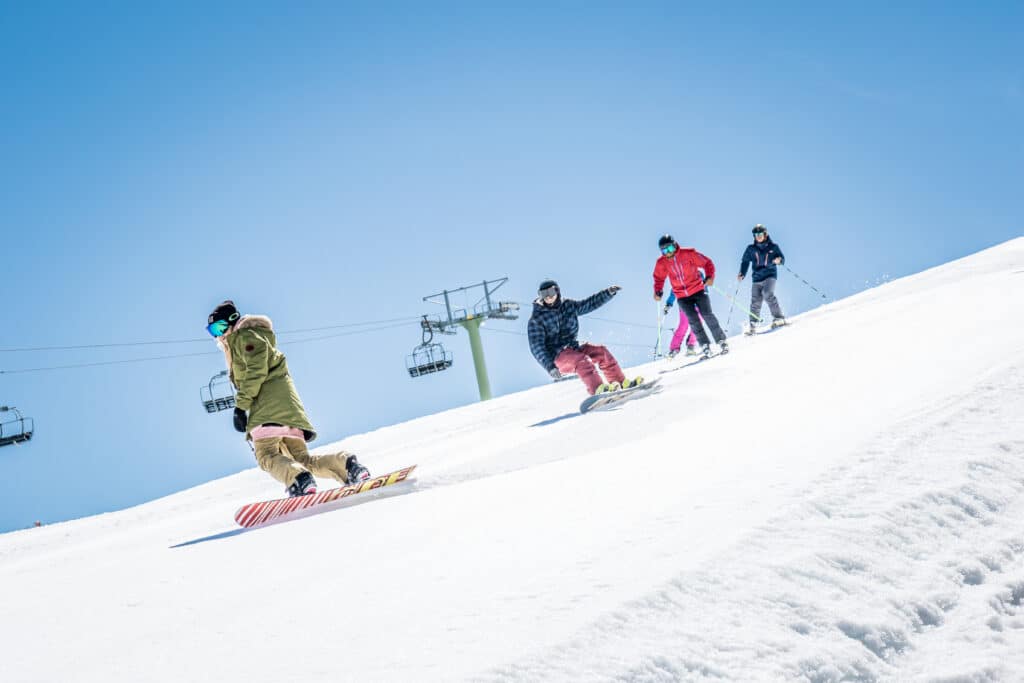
(548, 291)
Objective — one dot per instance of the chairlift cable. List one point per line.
(200, 339)
(189, 355)
(523, 334)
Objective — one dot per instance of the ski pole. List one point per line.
(732, 305)
(823, 296)
(742, 307)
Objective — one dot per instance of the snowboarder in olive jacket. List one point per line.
(267, 407)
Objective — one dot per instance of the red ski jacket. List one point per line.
(682, 271)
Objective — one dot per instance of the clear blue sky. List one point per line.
(334, 163)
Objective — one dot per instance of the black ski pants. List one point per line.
(701, 301)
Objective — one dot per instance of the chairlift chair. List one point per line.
(218, 394)
(428, 358)
(15, 431)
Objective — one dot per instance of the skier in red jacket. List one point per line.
(689, 272)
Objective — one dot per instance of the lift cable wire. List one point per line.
(198, 353)
(621, 322)
(523, 334)
(202, 339)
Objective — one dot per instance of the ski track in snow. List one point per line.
(915, 572)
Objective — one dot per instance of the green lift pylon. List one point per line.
(469, 318)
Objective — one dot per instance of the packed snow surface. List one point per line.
(842, 499)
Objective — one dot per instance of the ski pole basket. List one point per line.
(218, 394)
(15, 431)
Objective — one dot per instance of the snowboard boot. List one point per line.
(635, 382)
(356, 472)
(691, 350)
(303, 485)
(778, 322)
(723, 347)
(705, 351)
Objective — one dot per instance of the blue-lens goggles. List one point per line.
(668, 249)
(218, 327)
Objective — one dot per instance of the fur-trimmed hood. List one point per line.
(248, 321)
(244, 323)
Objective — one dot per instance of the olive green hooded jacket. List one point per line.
(260, 375)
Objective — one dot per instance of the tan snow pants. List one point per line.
(285, 457)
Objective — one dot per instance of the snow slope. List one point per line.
(838, 500)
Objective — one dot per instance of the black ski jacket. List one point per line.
(554, 328)
(761, 257)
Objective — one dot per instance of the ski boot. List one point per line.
(635, 382)
(691, 350)
(723, 347)
(356, 472)
(778, 322)
(672, 353)
(705, 351)
(303, 485)
(750, 330)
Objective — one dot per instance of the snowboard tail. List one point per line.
(255, 514)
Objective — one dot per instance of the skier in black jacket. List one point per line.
(552, 331)
(764, 255)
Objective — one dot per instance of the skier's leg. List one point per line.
(689, 307)
(756, 296)
(333, 465)
(572, 361)
(605, 361)
(769, 296)
(272, 459)
(677, 338)
(703, 302)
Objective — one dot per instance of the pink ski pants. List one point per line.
(683, 330)
(582, 360)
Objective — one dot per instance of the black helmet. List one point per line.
(759, 228)
(547, 285)
(665, 241)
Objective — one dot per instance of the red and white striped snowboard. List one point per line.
(255, 514)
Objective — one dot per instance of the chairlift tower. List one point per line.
(471, 318)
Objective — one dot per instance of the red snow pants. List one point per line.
(581, 361)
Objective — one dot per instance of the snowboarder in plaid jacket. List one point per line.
(553, 329)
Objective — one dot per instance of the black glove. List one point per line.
(555, 374)
(240, 420)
